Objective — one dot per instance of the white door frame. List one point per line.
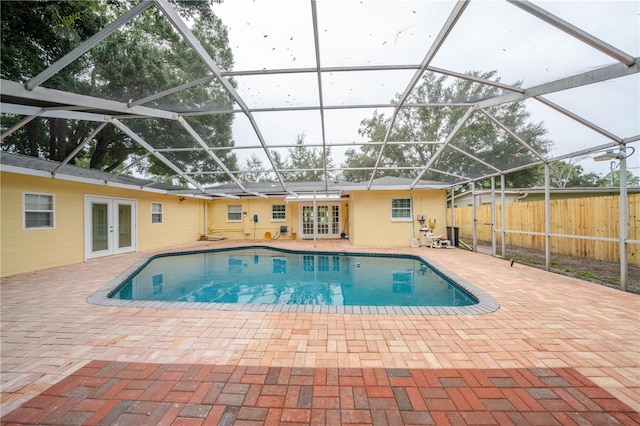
(112, 226)
(319, 204)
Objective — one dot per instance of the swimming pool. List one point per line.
(275, 279)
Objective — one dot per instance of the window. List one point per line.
(38, 211)
(278, 212)
(234, 213)
(156, 212)
(401, 209)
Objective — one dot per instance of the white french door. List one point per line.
(327, 218)
(109, 226)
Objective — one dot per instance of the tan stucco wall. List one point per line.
(23, 250)
(367, 215)
(247, 229)
(370, 216)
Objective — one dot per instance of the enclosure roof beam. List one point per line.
(586, 151)
(74, 100)
(608, 72)
(133, 135)
(311, 145)
(455, 14)
(579, 119)
(87, 45)
(474, 158)
(316, 43)
(79, 147)
(20, 124)
(51, 113)
(437, 154)
(484, 81)
(574, 31)
(171, 91)
(191, 39)
(370, 68)
(329, 107)
(133, 163)
(513, 135)
(215, 158)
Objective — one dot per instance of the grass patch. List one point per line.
(613, 281)
(586, 274)
(526, 260)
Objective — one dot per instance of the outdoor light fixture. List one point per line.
(609, 155)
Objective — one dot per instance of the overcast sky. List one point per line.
(490, 35)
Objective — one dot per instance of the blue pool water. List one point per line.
(274, 276)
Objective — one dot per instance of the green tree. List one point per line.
(253, 171)
(302, 164)
(311, 159)
(613, 179)
(566, 174)
(145, 57)
(480, 136)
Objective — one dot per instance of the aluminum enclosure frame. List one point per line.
(27, 99)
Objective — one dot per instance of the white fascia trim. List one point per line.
(398, 188)
(78, 179)
(307, 198)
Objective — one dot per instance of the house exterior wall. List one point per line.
(370, 216)
(246, 229)
(23, 250)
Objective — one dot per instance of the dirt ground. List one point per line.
(604, 273)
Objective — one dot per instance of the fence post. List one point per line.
(475, 217)
(493, 217)
(504, 216)
(624, 230)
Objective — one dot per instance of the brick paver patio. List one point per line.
(558, 351)
(121, 393)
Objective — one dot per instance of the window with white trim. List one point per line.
(156, 212)
(278, 212)
(234, 213)
(39, 211)
(401, 209)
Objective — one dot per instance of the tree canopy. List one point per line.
(480, 135)
(302, 164)
(145, 58)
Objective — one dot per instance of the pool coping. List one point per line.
(486, 303)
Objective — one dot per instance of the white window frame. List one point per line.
(394, 210)
(284, 211)
(239, 212)
(52, 212)
(154, 213)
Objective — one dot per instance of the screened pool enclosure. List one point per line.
(466, 93)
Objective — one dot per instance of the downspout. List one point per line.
(205, 227)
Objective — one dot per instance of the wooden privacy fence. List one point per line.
(594, 217)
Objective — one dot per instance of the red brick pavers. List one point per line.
(109, 393)
(48, 332)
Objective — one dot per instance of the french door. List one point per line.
(326, 221)
(109, 226)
